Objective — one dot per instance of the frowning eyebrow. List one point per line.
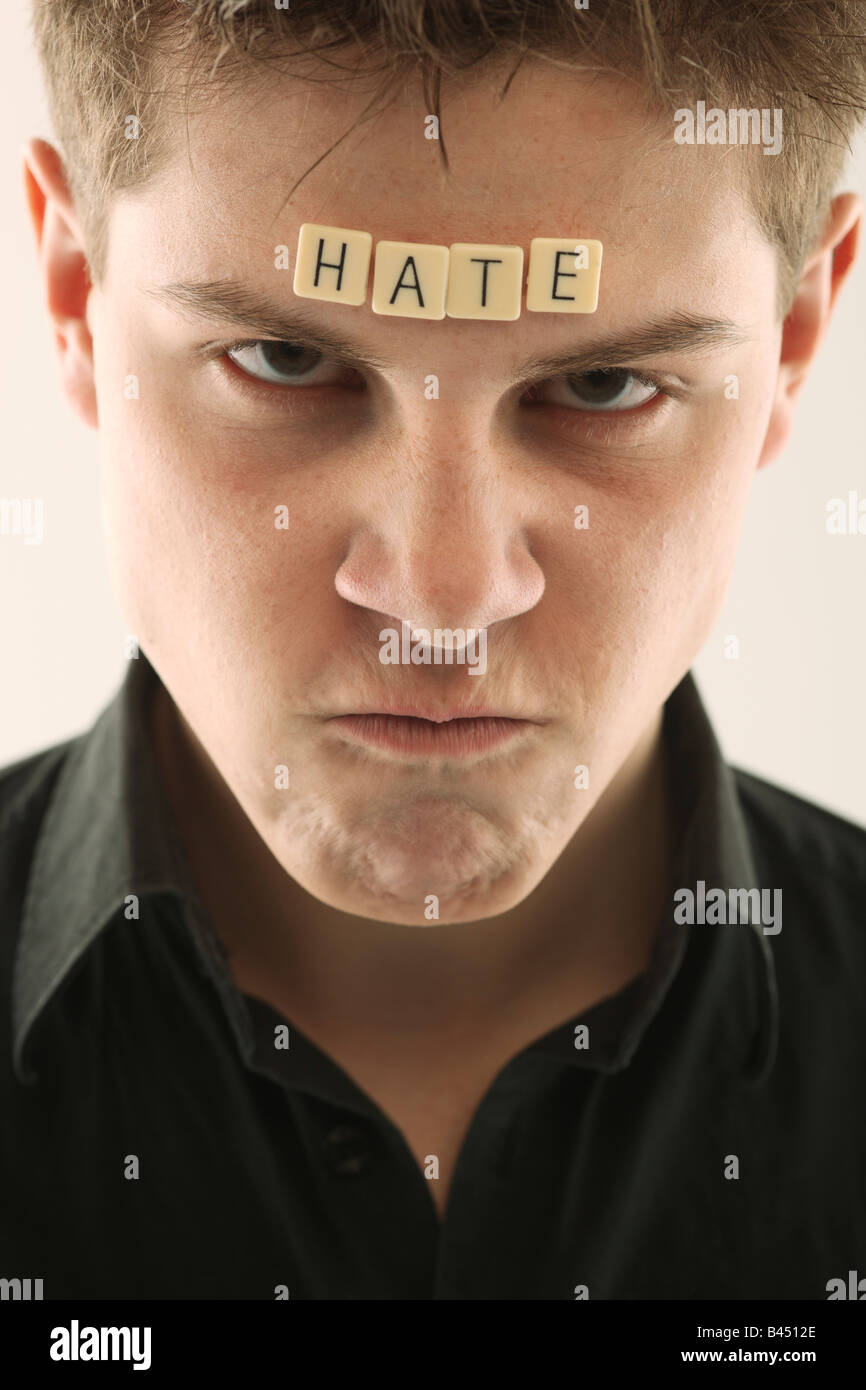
(237, 304)
(230, 302)
(677, 333)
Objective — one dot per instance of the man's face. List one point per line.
(456, 511)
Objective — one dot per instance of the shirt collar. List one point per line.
(717, 848)
(103, 839)
(107, 836)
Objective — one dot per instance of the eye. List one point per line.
(610, 388)
(288, 364)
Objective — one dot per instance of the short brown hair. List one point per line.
(105, 60)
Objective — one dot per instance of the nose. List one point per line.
(446, 546)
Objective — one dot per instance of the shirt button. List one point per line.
(347, 1151)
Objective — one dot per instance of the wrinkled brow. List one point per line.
(233, 303)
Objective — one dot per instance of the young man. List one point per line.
(332, 976)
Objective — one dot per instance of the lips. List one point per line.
(434, 716)
(414, 734)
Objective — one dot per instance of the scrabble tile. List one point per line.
(484, 282)
(563, 275)
(332, 263)
(410, 279)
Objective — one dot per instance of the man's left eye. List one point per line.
(286, 364)
(609, 388)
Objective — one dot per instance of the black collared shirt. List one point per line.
(703, 1136)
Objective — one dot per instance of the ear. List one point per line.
(824, 270)
(65, 272)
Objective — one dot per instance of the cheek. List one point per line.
(651, 572)
(213, 558)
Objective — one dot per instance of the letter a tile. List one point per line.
(410, 279)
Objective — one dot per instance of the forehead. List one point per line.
(562, 154)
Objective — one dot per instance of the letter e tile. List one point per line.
(563, 275)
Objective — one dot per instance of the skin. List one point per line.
(454, 512)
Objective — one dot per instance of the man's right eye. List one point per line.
(287, 364)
